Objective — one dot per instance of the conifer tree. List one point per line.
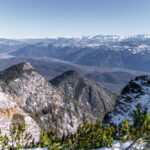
(123, 131)
(19, 138)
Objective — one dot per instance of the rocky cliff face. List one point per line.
(8, 109)
(136, 92)
(90, 95)
(30, 94)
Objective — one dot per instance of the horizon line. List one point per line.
(73, 37)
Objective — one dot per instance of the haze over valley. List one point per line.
(108, 60)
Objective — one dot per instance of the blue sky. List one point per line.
(71, 18)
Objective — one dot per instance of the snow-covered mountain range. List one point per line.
(100, 51)
(108, 60)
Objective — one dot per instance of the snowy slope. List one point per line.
(136, 92)
(116, 145)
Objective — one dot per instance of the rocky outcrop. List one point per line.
(7, 107)
(137, 92)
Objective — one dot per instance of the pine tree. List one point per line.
(19, 138)
(141, 123)
(3, 141)
(140, 130)
(123, 131)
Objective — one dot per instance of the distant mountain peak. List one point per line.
(24, 66)
(16, 71)
(70, 73)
